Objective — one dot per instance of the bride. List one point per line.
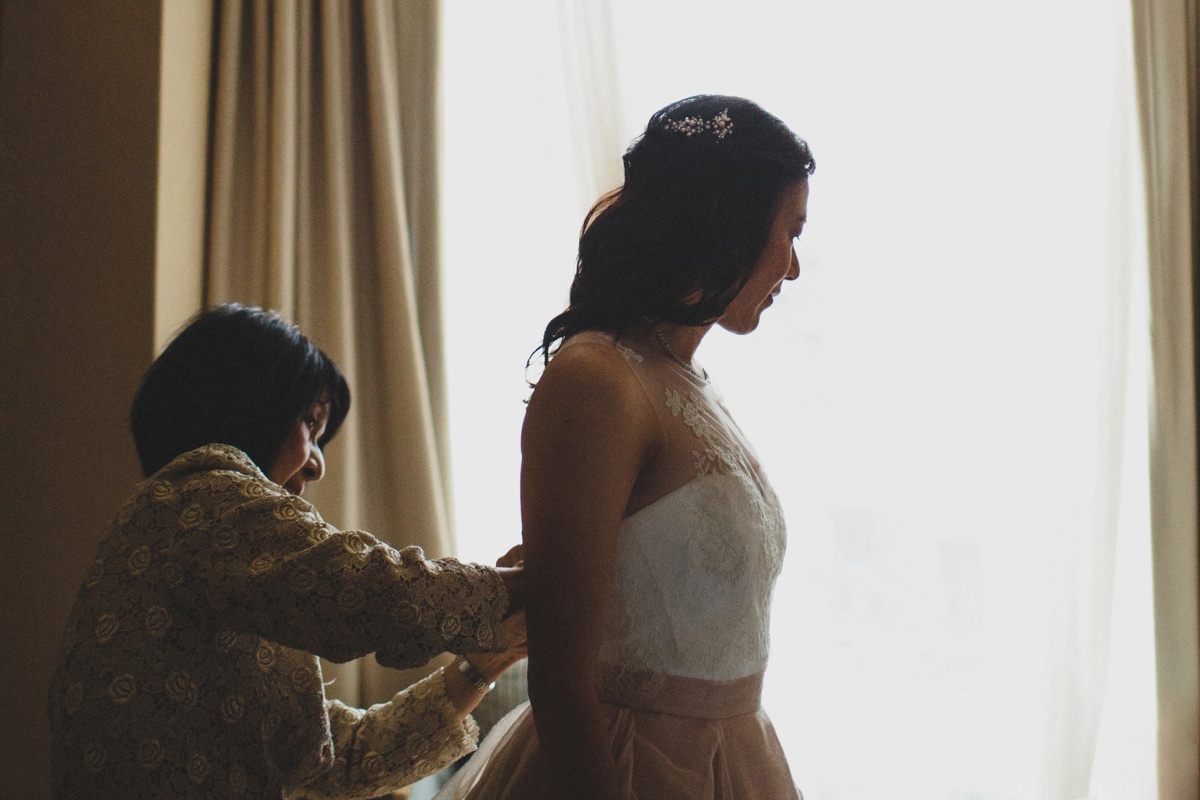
(652, 538)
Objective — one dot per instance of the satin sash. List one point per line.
(686, 697)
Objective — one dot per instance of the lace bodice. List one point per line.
(696, 567)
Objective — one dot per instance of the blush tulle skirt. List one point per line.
(659, 756)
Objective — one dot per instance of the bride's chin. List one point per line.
(740, 327)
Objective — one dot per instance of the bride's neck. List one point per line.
(679, 341)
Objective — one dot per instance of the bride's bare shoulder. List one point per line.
(586, 365)
(591, 379)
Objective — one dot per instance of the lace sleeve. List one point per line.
(391, 744)
(266, 563)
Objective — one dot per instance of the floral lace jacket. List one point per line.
(189, 663)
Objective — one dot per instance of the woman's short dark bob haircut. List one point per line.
(680, 238)
(236, 375)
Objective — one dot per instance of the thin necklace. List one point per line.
(675, 356)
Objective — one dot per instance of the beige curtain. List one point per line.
(592, 98)
(323, 206)
(1166, 40)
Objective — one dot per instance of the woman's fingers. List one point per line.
(513, 557)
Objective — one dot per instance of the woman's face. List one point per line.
(777, 263)
(301, 461)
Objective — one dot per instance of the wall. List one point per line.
(79, 155)
(182, 164)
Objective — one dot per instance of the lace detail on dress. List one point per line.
(696, 568)
(633, 687)
(719, 456)
(714, 455)
(630, 354)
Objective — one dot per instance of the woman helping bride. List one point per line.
(652, 538)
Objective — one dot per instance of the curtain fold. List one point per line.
(1166, 38)
(589, 61)
(323, 205)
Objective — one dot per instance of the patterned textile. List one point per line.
(189, 666)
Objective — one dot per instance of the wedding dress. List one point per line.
(685, 646)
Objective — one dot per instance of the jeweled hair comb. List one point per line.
(720, 126)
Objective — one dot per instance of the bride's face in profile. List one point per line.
(777, 263)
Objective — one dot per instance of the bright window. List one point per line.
(950, 400)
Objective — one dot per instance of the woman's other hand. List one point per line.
(492, 665)
(489, 666)
(515, 557)
(511, 567)
(516, 637)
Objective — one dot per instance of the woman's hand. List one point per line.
(515, 557)
(516, 637)
(490, 666)
(511, 567)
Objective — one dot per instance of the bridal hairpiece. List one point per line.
(720, 125)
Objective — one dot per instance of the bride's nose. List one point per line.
(794, 269)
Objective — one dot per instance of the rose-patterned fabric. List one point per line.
(189, 665)
(686, 640)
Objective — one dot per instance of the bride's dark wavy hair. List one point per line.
(679, 239)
